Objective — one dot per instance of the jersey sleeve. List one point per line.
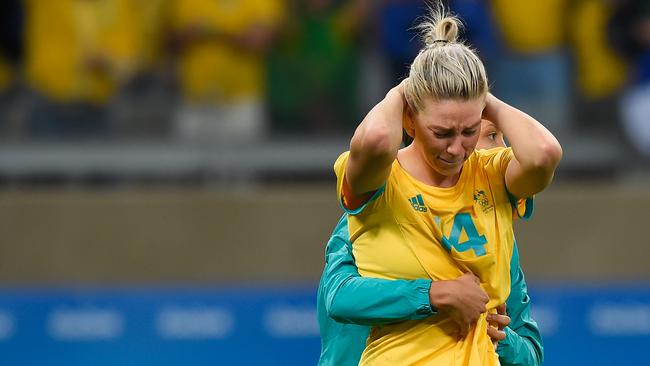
(523, 343)
(350, 298)
(495, 161)
(522, 208)
(339, 169)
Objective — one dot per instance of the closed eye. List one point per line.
(470, 132)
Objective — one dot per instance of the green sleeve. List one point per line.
(523, 344)
(350, 298)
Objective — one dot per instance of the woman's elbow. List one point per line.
(552, 152)
(548, 157)
(337, 311)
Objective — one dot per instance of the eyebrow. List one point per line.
(489, 127)
(444, 130)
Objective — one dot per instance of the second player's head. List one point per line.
(490, 136)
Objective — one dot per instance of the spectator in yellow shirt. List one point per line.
(601, 74)
(220, 48)
(78, 52)
(532, 70)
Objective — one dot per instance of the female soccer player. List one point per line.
(349, 304)
(439, 208)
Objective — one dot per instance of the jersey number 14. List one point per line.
(475, 242)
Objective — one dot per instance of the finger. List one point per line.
(496, 335)
(464, 330)
(501, 309)
(497, 320)
(472, 319)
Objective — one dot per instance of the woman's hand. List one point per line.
(462, 299)
(491, 109)
(496, 323)
(407, 117)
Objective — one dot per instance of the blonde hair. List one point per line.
(445, 68)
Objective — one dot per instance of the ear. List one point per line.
(407, 121)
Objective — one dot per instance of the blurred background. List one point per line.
(166, 183)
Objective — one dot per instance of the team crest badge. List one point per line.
(481, 198)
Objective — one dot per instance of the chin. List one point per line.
(449, 171)
(455, 170)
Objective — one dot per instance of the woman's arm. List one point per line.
(537, 152)
(350, 298)
(375, 143)
(523, 343)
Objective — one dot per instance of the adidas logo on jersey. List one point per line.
(418, 203)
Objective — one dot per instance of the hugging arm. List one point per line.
(523, 343)
(350, 298)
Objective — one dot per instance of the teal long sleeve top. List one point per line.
(348, 305)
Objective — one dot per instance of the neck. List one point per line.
(415, 163)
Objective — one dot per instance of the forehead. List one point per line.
(487, 125)
(451, 114)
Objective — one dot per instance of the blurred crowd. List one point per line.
(244, 71)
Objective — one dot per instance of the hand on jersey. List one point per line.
(496, 323)
(462, 299)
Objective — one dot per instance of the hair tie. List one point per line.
(432, 44)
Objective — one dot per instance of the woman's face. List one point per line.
(446, 133)
(490, 136)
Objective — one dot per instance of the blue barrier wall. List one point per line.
(273, 326)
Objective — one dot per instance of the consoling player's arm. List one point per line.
(523, 343)
(350, 298)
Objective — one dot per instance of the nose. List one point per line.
(455, 148)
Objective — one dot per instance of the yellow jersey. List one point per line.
(62, 35)
(218, 71)
(593, 52)
(531, 26)
(411, 230)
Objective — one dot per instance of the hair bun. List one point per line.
(445, 68)
(439, 27)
